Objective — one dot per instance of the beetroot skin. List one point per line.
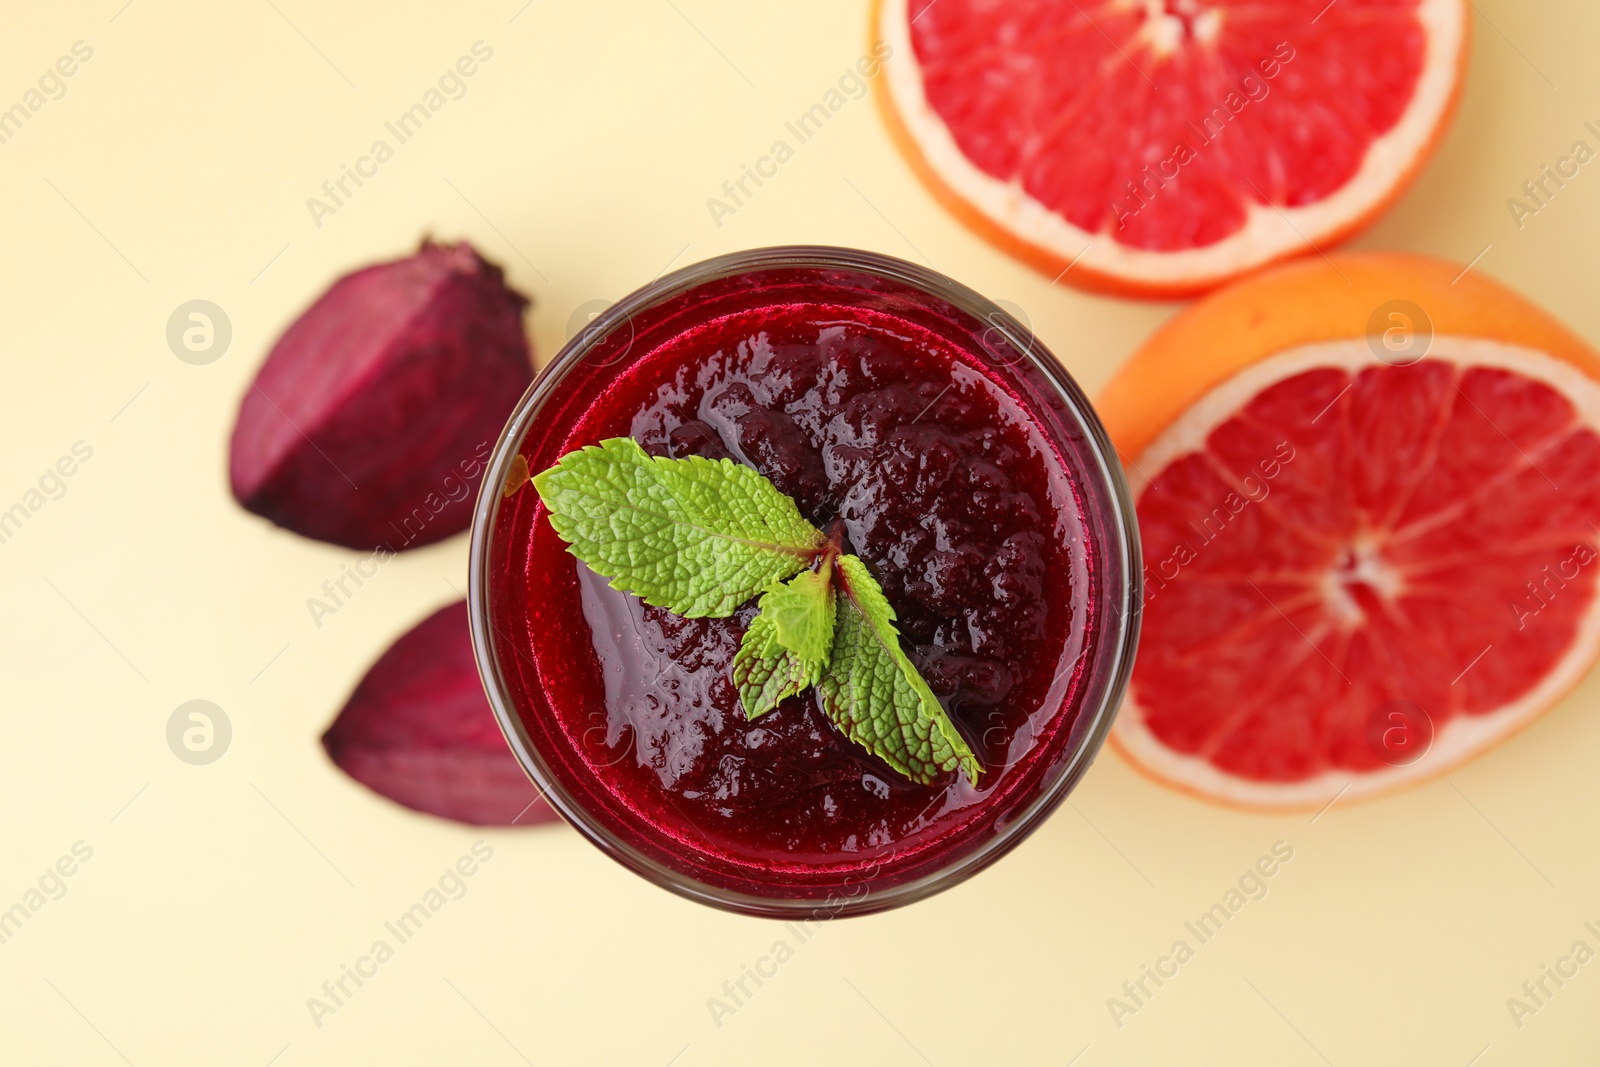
(419, 731)
(372, 420)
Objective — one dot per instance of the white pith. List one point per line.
(1458, 739)
(1269, 232)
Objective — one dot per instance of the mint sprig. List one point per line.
(787, 646)
(874, 693)
(700, 537)
(766, 673)
(696, 536)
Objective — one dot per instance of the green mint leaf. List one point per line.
(786, 648)
(874, 693)
(696, 536)
(803, 615)
(764, 672)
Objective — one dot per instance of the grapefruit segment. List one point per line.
(1359, 574)
(1160, 147)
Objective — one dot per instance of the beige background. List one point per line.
(178, 165)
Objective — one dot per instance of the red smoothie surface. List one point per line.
(936, 458)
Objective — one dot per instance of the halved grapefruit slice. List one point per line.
(1160, 147)
(1369, 502)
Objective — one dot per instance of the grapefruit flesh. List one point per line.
(1162, 146)
(1361, 572)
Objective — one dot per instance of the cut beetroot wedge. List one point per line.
(418, 730)
(372, 418)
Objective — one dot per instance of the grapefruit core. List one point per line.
(1161, 147)
(1369, 501)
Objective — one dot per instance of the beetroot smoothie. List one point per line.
(937, 442)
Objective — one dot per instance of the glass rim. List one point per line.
(1121, 636)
